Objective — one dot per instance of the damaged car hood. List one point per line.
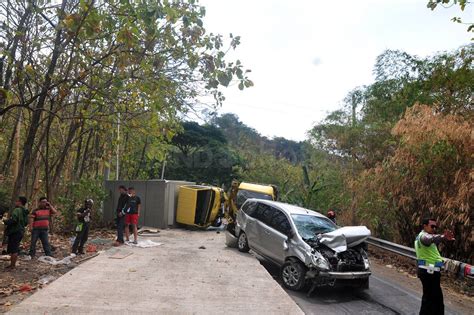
(348, 236)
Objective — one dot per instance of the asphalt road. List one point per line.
(383, 297)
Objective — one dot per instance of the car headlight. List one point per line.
(366, 263)
(319, 261)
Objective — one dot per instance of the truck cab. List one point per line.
(199, 205)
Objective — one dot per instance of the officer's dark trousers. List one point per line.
(432, 300)
(81, 239)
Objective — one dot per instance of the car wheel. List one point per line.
(364, 283)
(293, 275)
(243, 243)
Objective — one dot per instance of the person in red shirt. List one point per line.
(39, 225)
(132, 213)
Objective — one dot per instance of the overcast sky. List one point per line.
(305, 55)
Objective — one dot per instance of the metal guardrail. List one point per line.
(392, 247)
(401, 250)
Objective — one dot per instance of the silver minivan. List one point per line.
(309, 248)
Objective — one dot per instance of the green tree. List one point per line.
(202, 155)
(433, 4)
(89, 80)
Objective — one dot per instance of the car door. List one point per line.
(275, 235)
(247, 218)
(262, 211)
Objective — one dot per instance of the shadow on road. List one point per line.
(339, 299)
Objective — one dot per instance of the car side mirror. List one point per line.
(290, 234)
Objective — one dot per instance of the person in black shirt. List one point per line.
(132, 214)
(120, 219)
(82, 228)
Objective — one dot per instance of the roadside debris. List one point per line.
(25, 288)
(144, 231)
(202, 247)
(53, 261)
(46, 279)
(86, 258)
(144, 244)
(91, 248)
(31, 271)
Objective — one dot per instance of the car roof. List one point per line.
(289, 209)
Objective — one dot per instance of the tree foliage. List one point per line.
(87, 81)
(400, 161)
(202, 155)
(462, 4)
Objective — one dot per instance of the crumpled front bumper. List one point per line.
(345, 275)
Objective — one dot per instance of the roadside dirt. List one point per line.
(458, 294)
(32, 275)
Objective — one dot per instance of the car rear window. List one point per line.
(243, 195)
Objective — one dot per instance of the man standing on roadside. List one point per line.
(132, 213)
(15, 229)
(82, 228)
(40, 226)
(430, 264)
(120, 219)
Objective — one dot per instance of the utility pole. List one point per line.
(117, 169)
(353, 125)
(163, 169)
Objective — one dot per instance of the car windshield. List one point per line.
(243, 195)
(309, 226)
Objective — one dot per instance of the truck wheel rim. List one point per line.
(242, 241)
(291, 275)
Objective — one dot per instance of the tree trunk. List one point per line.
(28, 153)
(85, 155)
(7, 162)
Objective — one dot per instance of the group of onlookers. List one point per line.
(17, 221)
(38, 222)
(128, 212)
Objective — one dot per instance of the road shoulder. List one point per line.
(192, 272)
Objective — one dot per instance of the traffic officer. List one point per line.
(430, 264)
(332, 216)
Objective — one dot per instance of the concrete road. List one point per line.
(175, 278)
(387, 295)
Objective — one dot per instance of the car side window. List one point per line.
(249, 208)
(280, 222)
(263, 213)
